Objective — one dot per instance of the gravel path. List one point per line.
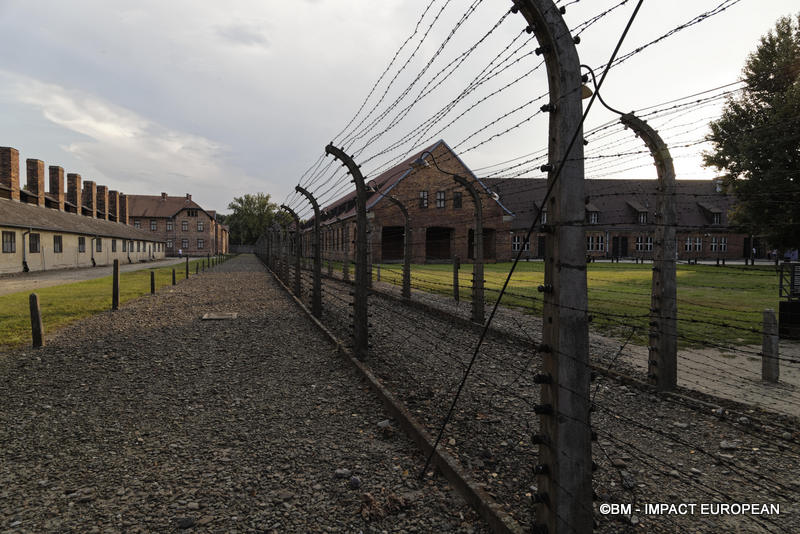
(151, 420)
(651, 449)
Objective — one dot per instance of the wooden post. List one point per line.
(152, 282)
(187, 267)
(115, 287)
(173, 276)
(564, 473)
(456, 268)
(37, 328)
(770, 364)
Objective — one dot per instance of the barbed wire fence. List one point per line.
(564, 430)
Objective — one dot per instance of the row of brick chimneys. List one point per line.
(93, 200)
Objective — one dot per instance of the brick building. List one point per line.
(620, 216)
(440, 210)
(183, 225)
(82, 226)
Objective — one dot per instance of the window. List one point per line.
(124, 246)
(184, 243)
(33, 244)
(594, 217)
(99, 242)
(130, 246)
(457, 200)
(170, 223)
(185, 226)
(169, 243)
(518, 241)
(649, 244)
(716, 218)
(544, 217)
(589, 242)
(191, 213)
(600, 244)
(113, 245)
(698, 244)
(199, 226)
(137, 223)
(440, 199)
(9, 242)
(723, 244)
(138, 246)
(153, 225)
(58, 245)
(642, 217)
(200, 244)
(81, 244)
(687, 246)
(423, 199)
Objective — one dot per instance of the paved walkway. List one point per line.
(150, 419)
(39, 279)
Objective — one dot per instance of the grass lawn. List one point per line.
(716, 305)
(66, 303)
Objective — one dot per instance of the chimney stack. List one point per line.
(102, 202)
(123, 208)
(163, 196)
(188, 197)
(90, 197)
(74, 191)
(113, 206)
(57, 185)
(35, 172)
(9, 173)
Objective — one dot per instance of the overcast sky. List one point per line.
(219, 99)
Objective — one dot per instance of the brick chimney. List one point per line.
(102, 202)
(123, 208)
(9, 173)
(188, 197)
(89, 197)
(113, 206)
(57, 185)
(163, 196)
(74, 191)
(35, 186)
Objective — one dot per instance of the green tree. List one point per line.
(756, 141)
(251, 215)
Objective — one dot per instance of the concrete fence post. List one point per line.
(564, 474)
(187, 268)
(37, 327)
(346, 262)
(115, 287)
(477, 265)
(770, 364)
(316, 291)
(173, 276)
(361, 290)
(663, 345)
(297, 269)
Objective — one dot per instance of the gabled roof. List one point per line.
(160, 205)
(28, 216)
(344, 207)
(618, 200)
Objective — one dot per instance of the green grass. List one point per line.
(717, 305)
(64, 304)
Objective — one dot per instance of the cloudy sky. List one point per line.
(219, 99)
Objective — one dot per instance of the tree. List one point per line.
(251, 215)
(756, 141)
